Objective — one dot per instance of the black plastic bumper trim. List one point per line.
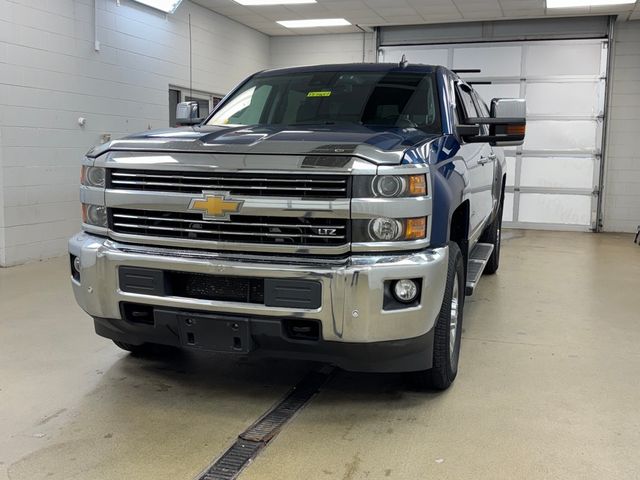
(269, 338)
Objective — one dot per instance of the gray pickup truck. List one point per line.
(336, 213)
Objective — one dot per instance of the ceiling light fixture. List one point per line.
(585, 3)
(315, 22)
(250, 3)
(166, 6)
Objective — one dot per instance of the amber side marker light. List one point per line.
(417, 185)
(515, 129)
(415, 228)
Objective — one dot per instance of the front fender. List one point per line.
(449, 180)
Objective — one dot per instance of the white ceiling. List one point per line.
(373, 13)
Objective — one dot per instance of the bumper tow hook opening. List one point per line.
(302, 330)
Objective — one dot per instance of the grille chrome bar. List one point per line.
(223, 232)
(213, 222)
(225, 186)
(240, 229)
(186, 177)
(260, 184)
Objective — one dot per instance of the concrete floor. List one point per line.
(548, 387)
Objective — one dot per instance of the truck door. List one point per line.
(490, 159)
(480, 162)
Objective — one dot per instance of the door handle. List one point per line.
(487, 159)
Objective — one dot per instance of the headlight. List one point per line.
(390, 186)
(94, 215)
(383, 229)
(92, 176)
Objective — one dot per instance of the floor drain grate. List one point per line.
(228, 466)
(249, 443)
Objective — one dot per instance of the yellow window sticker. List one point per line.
(319, 94)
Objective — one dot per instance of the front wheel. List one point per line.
(448, 328)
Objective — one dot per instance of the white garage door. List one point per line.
(552, 180)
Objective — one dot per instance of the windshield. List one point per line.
(392, 99)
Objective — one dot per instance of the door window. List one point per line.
(466, 103)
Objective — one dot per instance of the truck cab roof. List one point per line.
(355, 67)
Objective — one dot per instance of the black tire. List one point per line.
(493, 235)
(445, 360)
(145, 349)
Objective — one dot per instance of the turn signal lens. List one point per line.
(417, 185)
(516, 129)
(415, 228)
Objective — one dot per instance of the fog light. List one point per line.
(405, 290)
(75, 267)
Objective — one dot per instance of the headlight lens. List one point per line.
(385, 229)
(92, 176)
(390, 186)
(94, 215)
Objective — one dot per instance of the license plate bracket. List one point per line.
(213, 333)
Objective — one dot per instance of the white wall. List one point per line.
(622, 179)
(50, 75)
(2, 261)
(318, 49)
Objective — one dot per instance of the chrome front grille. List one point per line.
(285, 231)
(246, 184)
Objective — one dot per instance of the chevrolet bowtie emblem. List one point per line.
(215, 205)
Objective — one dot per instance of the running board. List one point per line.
(475, 266)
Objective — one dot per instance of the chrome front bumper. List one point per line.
(352, 289)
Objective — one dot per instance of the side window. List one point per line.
(483, 110)
(466, 102)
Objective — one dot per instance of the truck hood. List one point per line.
(380, 145)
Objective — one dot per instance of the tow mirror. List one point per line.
(187, 113)
(465, 130)
(507, 123)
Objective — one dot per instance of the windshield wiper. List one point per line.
(297, 124)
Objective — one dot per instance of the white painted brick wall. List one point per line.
(50, 75)
(622, 178)
(318, 49)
